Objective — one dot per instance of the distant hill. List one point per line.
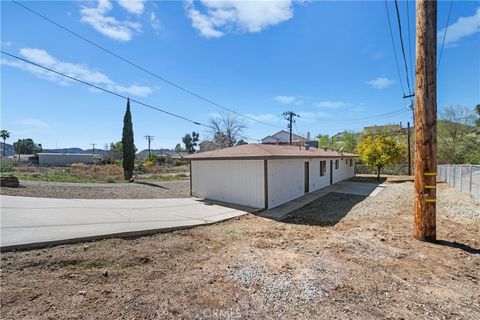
(8, 149)
(75, 150)
(144, 152)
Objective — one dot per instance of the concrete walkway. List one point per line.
(349, 187)
(37, 222)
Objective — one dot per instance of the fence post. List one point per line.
(461, 177)
(471, 178)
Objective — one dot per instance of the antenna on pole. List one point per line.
(149, 139)
(289, 117)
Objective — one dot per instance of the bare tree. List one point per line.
(226, 129)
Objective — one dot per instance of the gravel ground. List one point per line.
(360, 264)
(151, 190)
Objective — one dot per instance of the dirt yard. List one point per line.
(340, 257)
(65, 190)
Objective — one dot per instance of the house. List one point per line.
(387, 128)
(338, 136)
(264, 175)
(283, 137)
(63, 159)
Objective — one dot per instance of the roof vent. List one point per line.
(325, 148)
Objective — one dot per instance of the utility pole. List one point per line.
(289, 117)
(149, 139)
(93, 147)
(425, 157)
(409, 155)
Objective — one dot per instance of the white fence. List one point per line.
(463, 177)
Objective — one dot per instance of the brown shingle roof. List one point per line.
(267, 151)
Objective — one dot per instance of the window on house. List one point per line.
(337, 164)
(351, 162)
(323, 168)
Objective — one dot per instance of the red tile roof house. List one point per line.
(265, 176)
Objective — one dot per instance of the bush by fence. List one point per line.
(393, 169)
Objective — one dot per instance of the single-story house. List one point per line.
(264, 175)
(63, 159)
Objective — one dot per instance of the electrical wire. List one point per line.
(198, 96)
(410, 45)
(402, 46)
(114, 93)
(103, 89)
(444, 35)
(394, 50)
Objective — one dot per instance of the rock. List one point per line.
(105, 273)
(9, 182)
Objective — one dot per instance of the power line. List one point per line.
(103, 89)
(402, 46)
(393, 45)
(445, 34)
(410, 43)
(142, 68)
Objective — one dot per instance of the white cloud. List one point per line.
(32, 125)
(220, 17)
(463, 27)
(6, 43)
(132, 6)
(80, 71)
(312, 117)
(266, 117)
(332, 104)
(108, 25)
(154, 22)
(380, 83)
(288, 100)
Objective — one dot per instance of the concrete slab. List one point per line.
(37, 222)
(348, 187)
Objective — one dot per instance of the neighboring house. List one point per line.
(265, 176)
(282, 137)
(338, 136)
(63, 159)
(388, 128)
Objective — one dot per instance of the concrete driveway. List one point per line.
(37, 222)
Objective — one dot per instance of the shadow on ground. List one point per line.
(150, 184)
(457, 245)
(368, 179)
(325, 211)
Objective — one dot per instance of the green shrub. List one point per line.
(178, 162)
(6, 166)
(110, 179)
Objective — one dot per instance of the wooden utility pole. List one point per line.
(409, 154)
(289, 117)
(425, 156)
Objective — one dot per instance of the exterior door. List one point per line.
(307, 177)
(331, 171)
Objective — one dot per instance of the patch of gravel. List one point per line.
(395, 199)
(155, 190)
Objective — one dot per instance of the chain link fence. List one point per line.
(463, 177)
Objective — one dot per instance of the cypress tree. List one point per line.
(128, 145)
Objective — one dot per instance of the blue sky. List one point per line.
(331, 62)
